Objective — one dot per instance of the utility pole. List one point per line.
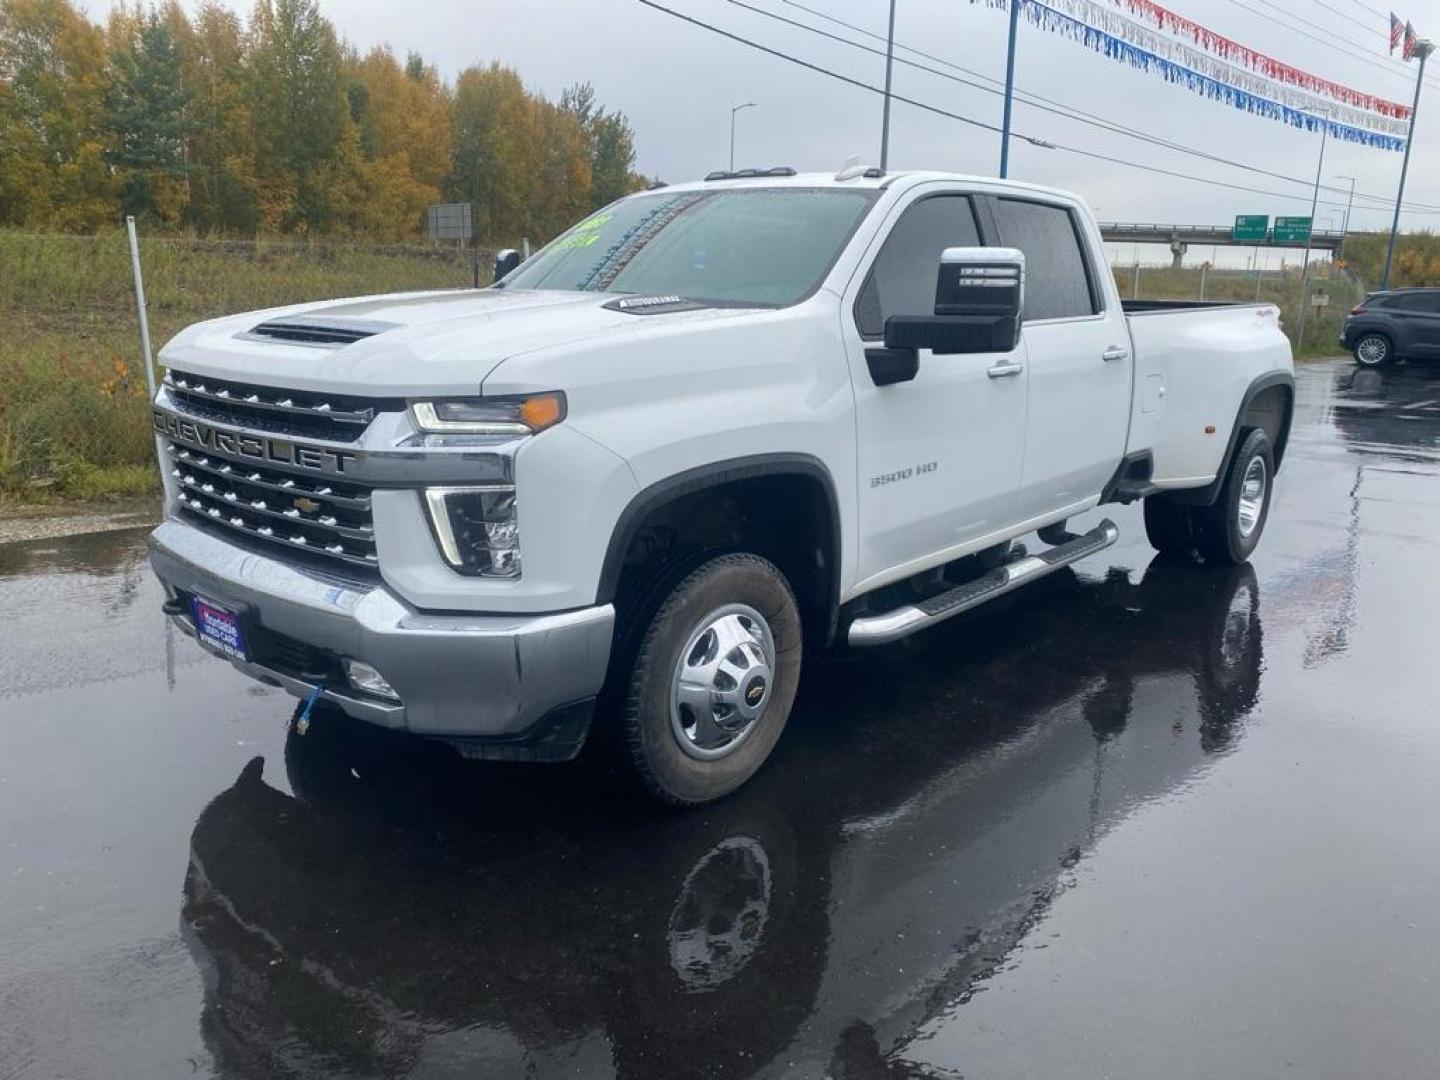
(1314, 202)
(889, 66)
(1345, 222)
(1009, 89)
(735, 109)
(1422, 49)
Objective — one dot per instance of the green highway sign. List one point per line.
(1252, 227)
(1292, 230)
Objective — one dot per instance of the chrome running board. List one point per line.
(903, 621)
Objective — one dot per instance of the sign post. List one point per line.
(1250, 228)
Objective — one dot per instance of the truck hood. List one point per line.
(417, 343)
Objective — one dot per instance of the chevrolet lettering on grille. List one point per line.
(205, 436)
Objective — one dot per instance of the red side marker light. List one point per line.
(1209, 429)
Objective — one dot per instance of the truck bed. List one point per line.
(1143, 307)
(1194, 362)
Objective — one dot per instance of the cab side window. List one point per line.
(1057, 274)
(902, 279)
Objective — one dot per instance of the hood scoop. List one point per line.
(317, 330)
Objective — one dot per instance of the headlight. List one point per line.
(489, 416)
(476, 529)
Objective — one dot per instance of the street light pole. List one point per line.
(1009, 89)
(885, 116)
(1314, 202)
(1422, 49)
(733, 111)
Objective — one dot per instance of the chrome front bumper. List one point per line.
(492, 684)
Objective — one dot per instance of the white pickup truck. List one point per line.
(711, 428)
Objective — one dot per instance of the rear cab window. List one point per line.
(1059, 278)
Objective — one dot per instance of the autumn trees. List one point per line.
(272, 124)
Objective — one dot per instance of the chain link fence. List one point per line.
(1331, 295)
(72, 384)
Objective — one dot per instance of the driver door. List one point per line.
(939, 456)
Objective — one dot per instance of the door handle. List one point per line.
(1115, 352)
(1004, 371)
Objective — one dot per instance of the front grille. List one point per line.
(337, 417)
(325, 518)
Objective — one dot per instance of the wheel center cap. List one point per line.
(755, 692)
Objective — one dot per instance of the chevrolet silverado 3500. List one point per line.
(710, 429)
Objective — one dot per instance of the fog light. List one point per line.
(364, 677)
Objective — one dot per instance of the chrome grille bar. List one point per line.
(348, 497)
(269, 506)
(245, 399)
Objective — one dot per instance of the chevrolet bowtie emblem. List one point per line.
(306, 506)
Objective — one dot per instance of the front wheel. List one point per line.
(713, 680)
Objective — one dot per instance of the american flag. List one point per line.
(1408, 52)
(1397, 30)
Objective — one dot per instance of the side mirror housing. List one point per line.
(979, 297)
(506, 259)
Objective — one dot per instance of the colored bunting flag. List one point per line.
(1116, 47)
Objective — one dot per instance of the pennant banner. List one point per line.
(1112, 22)
(1116, 48)
(1268, 66)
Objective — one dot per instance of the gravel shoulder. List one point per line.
(45, 521)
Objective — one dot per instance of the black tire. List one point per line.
(1169, 526)
(664, 767)
(1373, 350)
(1222, 534)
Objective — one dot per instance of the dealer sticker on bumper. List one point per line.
(218, 627)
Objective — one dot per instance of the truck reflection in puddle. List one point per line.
(403, 913)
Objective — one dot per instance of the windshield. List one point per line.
(761, 246)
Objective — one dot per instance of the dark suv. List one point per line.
(1394, 325)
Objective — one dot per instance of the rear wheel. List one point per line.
(713, 680)
(1231, 527)
(1374, 350)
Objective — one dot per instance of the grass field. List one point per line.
(73, 419)
(72, 390)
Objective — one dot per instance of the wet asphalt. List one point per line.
(1138, 820)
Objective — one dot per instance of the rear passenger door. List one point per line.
(1417, 322)
(1079, 360)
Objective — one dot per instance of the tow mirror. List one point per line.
(506, 259)
(979, 296)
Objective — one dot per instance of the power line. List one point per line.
(1373, 11)
(1034, 141)
(1397, 68)
(1051, 106)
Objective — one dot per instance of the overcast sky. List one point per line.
(677, 83)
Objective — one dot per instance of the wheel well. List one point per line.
(1270, 411)
(789, 518)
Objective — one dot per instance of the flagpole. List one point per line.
(1422, 50)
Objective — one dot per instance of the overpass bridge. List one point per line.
(1180, 237)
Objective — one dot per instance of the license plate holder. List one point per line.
(219, 627)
